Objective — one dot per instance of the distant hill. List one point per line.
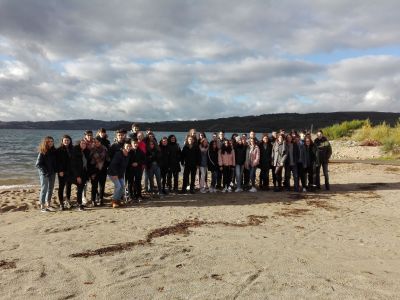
(262, 123)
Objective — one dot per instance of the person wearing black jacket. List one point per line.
(153, 158)
(309, 161)
(102, 133)
(164, 156)
(212, 164)
(265, 161)
(134, 171)
(63, 156)
(190, 159)
(291, 163)
(120, 137)
(240, 158)
(46, 163)
(98, 160)
(116, 173)
(79, 169)
(323, 152)
(174, 166)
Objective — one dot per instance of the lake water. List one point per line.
(18, 152)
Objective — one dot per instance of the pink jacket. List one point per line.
(252, 157)
(226, 159)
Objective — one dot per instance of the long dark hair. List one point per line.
(226, 149)
(66, 136)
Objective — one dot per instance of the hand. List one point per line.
(135, 164)
(61, 174)
(114, 177)
(79, 180)
(93, 176)
(221, 168)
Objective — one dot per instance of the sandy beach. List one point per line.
(341, 244)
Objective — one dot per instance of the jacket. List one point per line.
(323, 151)
(279, 154)
(118, 165)
(212, 159)
(226, 159)
(174, 158)
(190, 156)
(63, 159)
(252, 157)
(164, 156)
(47, 163)
(265, 155)
(79, 164)
(240, 154)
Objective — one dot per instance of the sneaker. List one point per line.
(304, 190)
(192, 191)
(253, 190)
(224, 190)
(229, 189)
(61, 208)
(43, 209)
(114, 204)
(67, 203)
(139, 199)
(50, 208)
(81, 208)
(238, 190)
(203, 191)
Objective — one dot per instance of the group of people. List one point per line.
(135, 157)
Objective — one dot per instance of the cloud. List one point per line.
(166, 60)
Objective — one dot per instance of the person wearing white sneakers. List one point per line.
(252, 161)
(212, 164)
(240, 159)
(203, 164)
(226, 161)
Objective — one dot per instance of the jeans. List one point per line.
(278, 176)
(164, 173)
(154, 170)
(227, 172)
(326, 175)
(214, 175)
(46, 188)
(239, 175)
(264, 177)
(186, 172)
(288, 171)
(253, 176)
(203, 177)
(175, 175)
(63, 183)
(119, 188)
(135, 182)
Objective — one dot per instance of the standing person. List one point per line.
(137, 161)
(252, 135)
(116, 172)
(47, 164)
(212, 164)
(301, 164)
(220, 141)
(265, 161)
(252, 161)
(226, 161)
(240, 159)
(323, 152)
(279, 155)
(291, 163)
(79, 170)
(190, 159)
(272, 167)
(246, 171)
(102, 133)
(309, 161)
(153, 158)
(174, 165)
(134, 131)
(164, 157)
(119, 141)
(98, 158)
(203, 165)
(143, 146)
(63, 155)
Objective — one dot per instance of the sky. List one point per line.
(144, 60)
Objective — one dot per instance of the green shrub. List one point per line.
(344, 129)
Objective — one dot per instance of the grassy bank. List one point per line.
(363, 131)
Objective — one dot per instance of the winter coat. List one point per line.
(79, 164)
(295, 154)
(47, 163)
(240, 154)
(323, 151)
(309, 156)
(252, 157)
(164, 156)
(114, 148)
(190, 156)
(279, 154)
(153, 156)
(105, 142)
(212, 161)
(118, 165)
(98, 159)
(265, 155)
(226, 159)
(174, 158)
(204, 156)
(135, 156)
(63, 158)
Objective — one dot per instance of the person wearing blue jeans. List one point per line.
(116, 173)
(153, 156)
(46, 163)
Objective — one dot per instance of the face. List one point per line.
(151, 145)
(308, 142)
(289, 138)
(280, 138)
(127, 148)
(173, 139)
(83, 145)
(135, 129)
(319, 134)
(102, 134)
(214, 137)
(205, 143)
(265, 139)
(221, 135)
(135, 145)
(226, 143)
(140, 136)
(97, 143)
(89, 136)
(190, 140)
(252, 142)
(164, 142)
(120, 136)
(66, 141)
(252, 134)
(50, 143)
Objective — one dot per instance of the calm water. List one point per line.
(18, 152)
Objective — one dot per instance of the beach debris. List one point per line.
(292, 212)
(216, 276)
(11, 264)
